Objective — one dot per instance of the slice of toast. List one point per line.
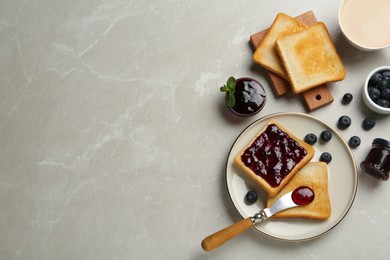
(315, 176)
(310, 58)
(273, 157)
(265, 54)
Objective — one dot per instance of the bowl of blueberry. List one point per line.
(376, 91)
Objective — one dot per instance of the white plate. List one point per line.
(343, 179)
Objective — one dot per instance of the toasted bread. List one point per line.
(273, 157)
(265, 54)
(310, 58)
(315, 176)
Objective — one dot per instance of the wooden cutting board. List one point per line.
(314, 98)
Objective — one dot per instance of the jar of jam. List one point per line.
(377, 162)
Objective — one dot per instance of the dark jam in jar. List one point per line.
(250, 97)
(302, 195)
(273, 155)
(377, 162)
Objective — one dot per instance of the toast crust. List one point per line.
(315, 176)
(263, 154)
(310, 58)
(265, 54)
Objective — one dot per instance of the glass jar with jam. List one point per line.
(377, 162)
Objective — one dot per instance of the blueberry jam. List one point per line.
(302, 195)
(250, 97)
(273, 155)
(377, 162)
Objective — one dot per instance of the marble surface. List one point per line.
(114, 134)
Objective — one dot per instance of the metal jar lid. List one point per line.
(381, 141)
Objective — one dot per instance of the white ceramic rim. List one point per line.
(354, 43)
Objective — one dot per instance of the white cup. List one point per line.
(365, 23)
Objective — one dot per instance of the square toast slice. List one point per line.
(273, 157)
(315, 176)
(309, 58)
(265, 54)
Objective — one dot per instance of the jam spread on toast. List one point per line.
(273, 155)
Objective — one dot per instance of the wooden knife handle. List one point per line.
(218, 238)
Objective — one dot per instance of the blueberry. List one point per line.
(326, 136)
(386, 74)
(368, 123)
(326, 157)
(354, 141)
(310, 139)
(383, 102)
(385, 93)
(376, 78)
(251, 197)
(374, 93)
(384, 83)
(347, 98)
(344, 122)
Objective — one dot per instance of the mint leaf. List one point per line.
(230, 100)
(231, 84)
(224, 89)
(230, 88)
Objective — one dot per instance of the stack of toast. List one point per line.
(275, 147)
(303, 55)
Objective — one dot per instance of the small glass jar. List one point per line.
(377, 162)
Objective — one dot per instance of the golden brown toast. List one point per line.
(315, 176)
(265, 54)
(273, 157)
(310, 58)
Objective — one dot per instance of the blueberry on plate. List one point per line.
(251, 197)
(368, 123)
(326, 136)
(347, 98)
(344, 122)
(310, 138)
(354, 141)
(326, 157)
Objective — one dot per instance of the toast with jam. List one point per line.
(273, 157)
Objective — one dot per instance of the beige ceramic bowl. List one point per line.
(365, 23)
(371, 104)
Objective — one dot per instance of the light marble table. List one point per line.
(114, 135)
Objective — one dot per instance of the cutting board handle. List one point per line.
(218, 238)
